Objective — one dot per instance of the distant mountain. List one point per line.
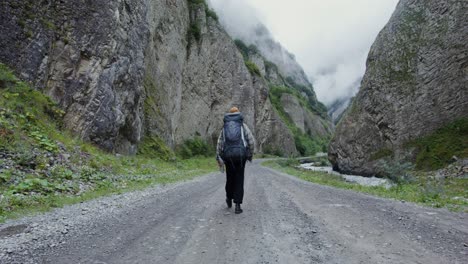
(337, 109)
(296, 104)
(276, 53)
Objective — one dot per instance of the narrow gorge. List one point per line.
(125, 72)
(110, 112)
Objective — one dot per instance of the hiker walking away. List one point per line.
(236, 145)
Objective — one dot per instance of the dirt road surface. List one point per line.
(285, 220)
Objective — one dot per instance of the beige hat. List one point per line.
(234, 110)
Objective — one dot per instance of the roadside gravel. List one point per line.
(285, 220)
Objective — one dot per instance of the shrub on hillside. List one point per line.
(397, 171)
(154, 147)
(437, 149)
(253, 69)
(194, 31)
(211, 13)
(195, 147)
(273, 150)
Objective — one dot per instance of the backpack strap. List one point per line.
(242, 135)
(224, 138)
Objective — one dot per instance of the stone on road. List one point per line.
(285, 220)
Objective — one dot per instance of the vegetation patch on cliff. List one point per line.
(305, 94)
(194, 4)
(312, 103)
(43, 166)
(245, 51)
(437, 150)
(149, 105)
(270, 66)
(195, 147)
(253, 69)
(154, 147)
(194, 30)
(305, 144)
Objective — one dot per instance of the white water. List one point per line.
(365, 181)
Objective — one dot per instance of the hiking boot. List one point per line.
(229, 203)
(238, 209)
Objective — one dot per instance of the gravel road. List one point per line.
(285, 220)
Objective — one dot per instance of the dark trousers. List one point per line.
(235, 180)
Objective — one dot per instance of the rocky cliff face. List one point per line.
(193, 78)
(122, 70)
(286, 62)
(296, 102)
(337, 109)
(415, 83)
(307, 121)
(88, 56)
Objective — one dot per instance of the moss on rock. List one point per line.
(154, 147)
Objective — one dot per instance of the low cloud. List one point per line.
(340, 83)
(330, 39)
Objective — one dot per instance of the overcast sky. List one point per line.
(330, 38)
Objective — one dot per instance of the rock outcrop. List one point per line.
(416, 82)
(297, 97)
(88, 56)
(192, 81)
(307, 121)
(123, 70)
(337, 109)
(274, 52)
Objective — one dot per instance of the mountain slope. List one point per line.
(123, 72)
(415, 83)
(296, 104)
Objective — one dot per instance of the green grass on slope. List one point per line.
(146, 173)
(436, 150)
(43, 166)
(450, 193)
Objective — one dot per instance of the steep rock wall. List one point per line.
(309, 115)
(122, 70)
(88, 56)
(308, 122)
(416, 81)
(192, 82)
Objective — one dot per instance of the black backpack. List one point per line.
(234, 142)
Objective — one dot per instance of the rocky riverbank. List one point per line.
(365, 181)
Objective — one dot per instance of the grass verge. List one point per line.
(450, 193)
(43, 166)
(140, 173)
